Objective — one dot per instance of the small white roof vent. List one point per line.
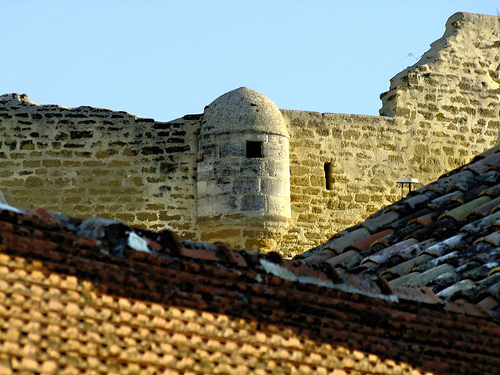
(406, 180)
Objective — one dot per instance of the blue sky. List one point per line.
(165, 59)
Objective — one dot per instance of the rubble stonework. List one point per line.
(307, 176)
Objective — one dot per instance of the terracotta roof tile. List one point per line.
(486, 209)
(425, 219)
(341, 258)
(384, 254)
(365, 243)
(478, 226)
(481, 166)
(406, 267)
(426, 277)
(459, 213)
(412, 203)
(492, 191)
(445, 200)
(489, 303)
(413, 250)
(375, 224)
(451, 183)
(336, 245)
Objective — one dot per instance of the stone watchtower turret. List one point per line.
(243, 180)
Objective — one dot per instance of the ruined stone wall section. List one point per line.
(452, 92)
(94, 162)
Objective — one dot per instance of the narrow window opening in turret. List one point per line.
(254, 149)
(328, 176)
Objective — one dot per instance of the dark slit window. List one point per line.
(254, 149)
(328, 175)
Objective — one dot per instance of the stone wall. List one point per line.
(95, 162)
(452, 93)
(437, 115)
(85, 161)
(356, 152)
(243, 171)
(364, 156)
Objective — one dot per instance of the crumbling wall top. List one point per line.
(467, 35)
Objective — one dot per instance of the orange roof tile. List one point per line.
(99, 296)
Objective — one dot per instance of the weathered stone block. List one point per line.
(72, 199)
(51, 163)
(201, 188)
(273, 186)
(74, 134)
(314, 191)
(86, 163)
(219, 186)
(308, 218)
(104, 154)
(485, 112)
(299, 181)
(165, 216)
(278, 205)
(147, 216)
(175, 140)
(221, 235)
(362, 198)
(277, 169)
(397, 159)
(298, 170)
(231, 149)
(209, 150)
(253, 203)
(319, 181)
(225, 204)
(166, 168)
(228, 167)
(205, 170)
(152, 150)
(246, 185)
(494, 124)
(275, 151)
(127, 218)
(118, 163)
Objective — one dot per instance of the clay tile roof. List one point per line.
(446, 237)
(408, 291)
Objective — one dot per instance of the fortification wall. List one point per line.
(362, 157)
(95, 162)
(84, 161)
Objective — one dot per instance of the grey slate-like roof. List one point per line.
(444, 236)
